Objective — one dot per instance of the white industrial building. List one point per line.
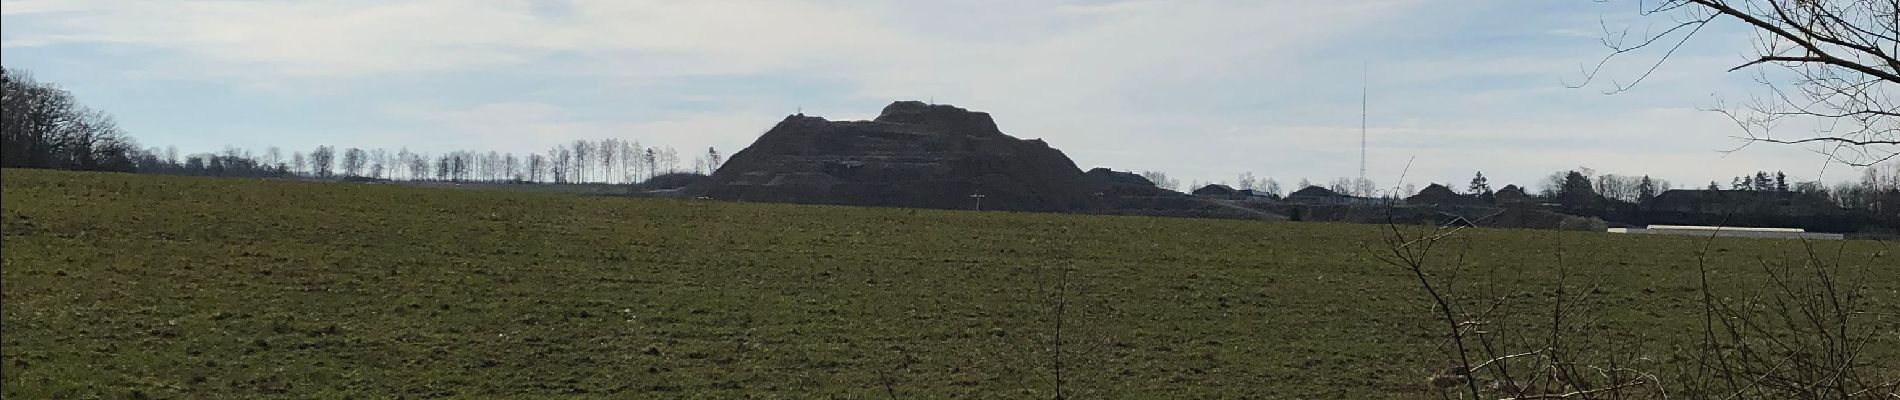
(1729, 231)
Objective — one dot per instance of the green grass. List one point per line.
(120, 285)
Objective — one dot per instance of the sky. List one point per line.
(1201, 90)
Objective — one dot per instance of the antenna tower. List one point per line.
(1362, 131)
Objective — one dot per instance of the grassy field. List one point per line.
(123, 286)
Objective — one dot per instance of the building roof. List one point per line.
(1315, 191)
(1215, 189)
(1439, 194)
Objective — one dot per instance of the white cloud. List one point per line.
(19, 7)
(684, 38)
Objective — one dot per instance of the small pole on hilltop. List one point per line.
(979, 201)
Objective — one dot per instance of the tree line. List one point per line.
(1877, 189)
(612, 161)
(44, 126)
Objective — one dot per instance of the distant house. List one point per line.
(1219, 191)
(1439, 195)
(1512, 194)
(1255, 196)
(1216, 190)
(1320, 195)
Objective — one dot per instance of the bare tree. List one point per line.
(1830, 64)
(492, 166)
(609, 151)
(419, 166)
(298, 164)
(353, 160)
(561, 160)
(443, 170)
(1619, 187)
(379, 163)
(273, 156)
(321, 161)
(583, 156)
(513, 167)
(1343, 185)
(1364, 187)
(400, 165)
(669, 159)
(633, 160)
(1552, 184)
(536, 164)
(460, 165)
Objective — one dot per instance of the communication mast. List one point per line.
(1359, 186)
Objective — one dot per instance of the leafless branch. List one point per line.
(1580, 393)
(1834, 63)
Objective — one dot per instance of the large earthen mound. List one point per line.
(912, 155)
